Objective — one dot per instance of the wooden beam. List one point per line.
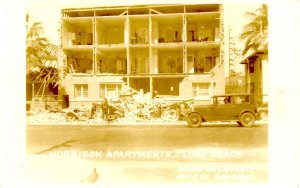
(155, 11)
(151, 87)
(125, 12)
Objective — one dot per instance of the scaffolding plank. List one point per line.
(125, 12)
(155, 11)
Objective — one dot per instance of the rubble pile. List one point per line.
(132, 114)
(130, 109)
(46, 117)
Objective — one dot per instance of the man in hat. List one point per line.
(104, 108)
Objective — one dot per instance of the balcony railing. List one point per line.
(45, 98)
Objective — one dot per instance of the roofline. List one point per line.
(225, 95)
(132, 6)
(252, 53)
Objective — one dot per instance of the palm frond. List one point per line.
(38, 48)
(250, 15)
(35, 31)
(256, 31)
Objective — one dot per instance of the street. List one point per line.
(148, 154)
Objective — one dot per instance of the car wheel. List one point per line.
(247, 119)
(194, 120)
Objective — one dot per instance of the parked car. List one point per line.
(235, 107)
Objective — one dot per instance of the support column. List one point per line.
(151, 87)
(127, 46)
(33, 91)
(126, 30)
(248, 77)
(150, 48)
(128, 82)
(128, 60)
(185, 69)
(94, 45)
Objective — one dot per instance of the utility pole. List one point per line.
(229, 47)
(234, 56)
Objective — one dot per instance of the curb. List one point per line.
(111, 124)
(162, 124)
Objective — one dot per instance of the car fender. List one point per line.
(203, 119)
(248, 110)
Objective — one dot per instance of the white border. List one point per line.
(283, 82)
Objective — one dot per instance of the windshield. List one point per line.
(222, 100)
(231, 99)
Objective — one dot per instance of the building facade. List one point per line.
(169, 50)
(256, 74)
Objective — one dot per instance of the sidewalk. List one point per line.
(179, 123)
(46, 118)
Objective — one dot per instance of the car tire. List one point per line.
(194, 120)
(247, 119)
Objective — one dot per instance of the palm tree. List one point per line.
(256, 31)
(36, 44)
(38, 52)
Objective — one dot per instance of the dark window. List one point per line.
(251, 87)
(251, 66)
(241, 99)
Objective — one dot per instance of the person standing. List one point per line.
(104, 108)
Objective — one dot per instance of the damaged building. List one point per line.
(41, 81)
(163, 50)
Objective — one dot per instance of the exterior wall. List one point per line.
(255, 77)
(265, 75)
(216, 80)
(93, 87)
(259, 78)
(219, 79)
(247, 80)
(186, 86)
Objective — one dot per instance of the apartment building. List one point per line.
(172, 50)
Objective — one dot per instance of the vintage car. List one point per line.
(235, 107)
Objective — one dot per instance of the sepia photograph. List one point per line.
(146, 94)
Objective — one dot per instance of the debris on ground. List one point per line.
(130, 108)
